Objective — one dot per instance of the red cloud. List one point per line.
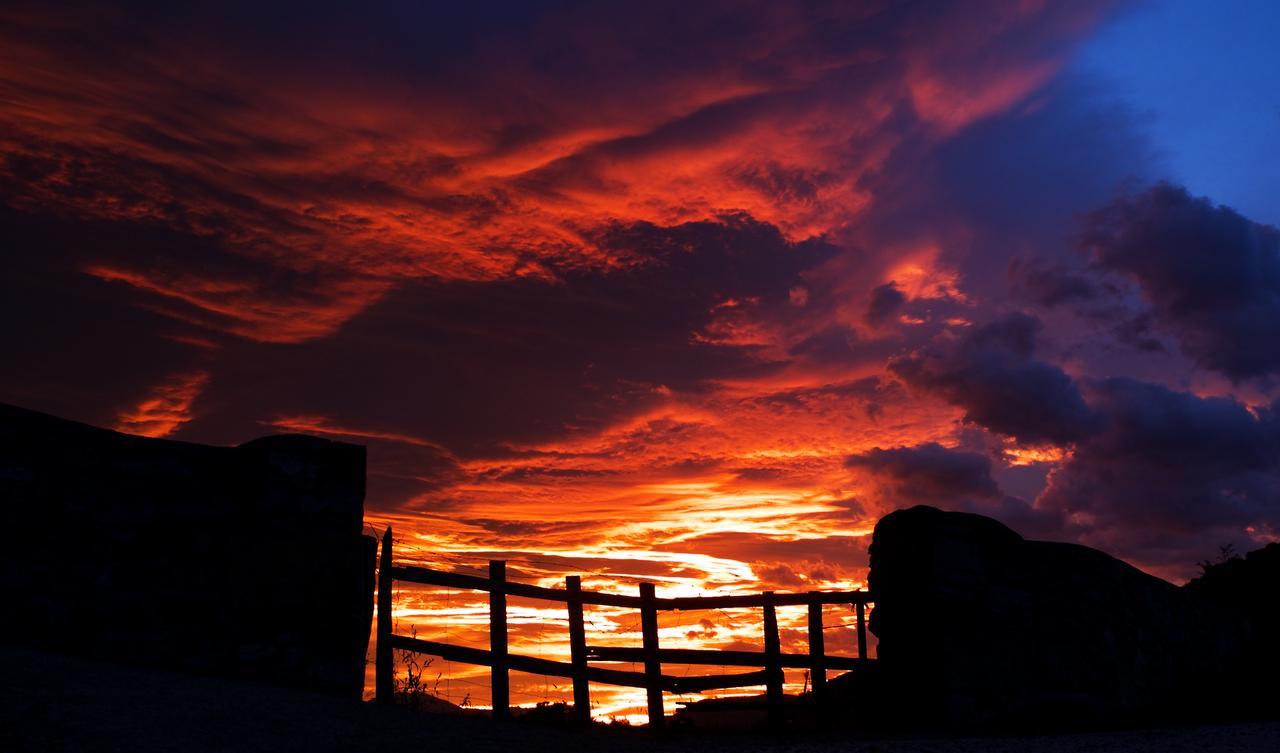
(166, 408)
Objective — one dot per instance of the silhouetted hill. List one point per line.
(1250, 586)
(1244, 583)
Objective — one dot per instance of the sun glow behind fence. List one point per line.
(540, 629)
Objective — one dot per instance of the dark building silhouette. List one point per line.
(243, 561)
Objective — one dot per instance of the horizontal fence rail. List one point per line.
(650, 654)
(429, 577)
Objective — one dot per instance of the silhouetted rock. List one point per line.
(978, 626)
(243, 561)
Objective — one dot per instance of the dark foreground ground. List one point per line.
(56, 703)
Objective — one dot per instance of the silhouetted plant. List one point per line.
(556, 713)
(412, 690)
(1226, 553)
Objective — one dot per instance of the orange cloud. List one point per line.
(167, 407)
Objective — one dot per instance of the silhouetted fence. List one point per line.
(772, 661)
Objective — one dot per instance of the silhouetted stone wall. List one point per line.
(977, 625)
(242, 561)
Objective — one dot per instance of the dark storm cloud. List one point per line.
(1211, 276)
(733, 258)
(1159, 476)
(1008, 189)
(833, 344)
(1170, 476)
(1053, 286)
(886, 301)
(1139, 332)
(992, 374)
(951, 479)
(929, 473)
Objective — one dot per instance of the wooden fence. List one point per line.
(772, 661)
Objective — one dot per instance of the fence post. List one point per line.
(862, 629)
(817, 651)
(578, 650)
(652, 661)
(384, 662)
(772, 661)
(500, 681)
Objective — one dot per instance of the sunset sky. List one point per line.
(692, 292)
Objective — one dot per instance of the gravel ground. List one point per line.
(55, 703)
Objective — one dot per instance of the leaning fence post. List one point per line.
(500, 682)
(578, 650)
(817, 650)
(652, 659)
(862, 629)
(384, 663)
(772, 661)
